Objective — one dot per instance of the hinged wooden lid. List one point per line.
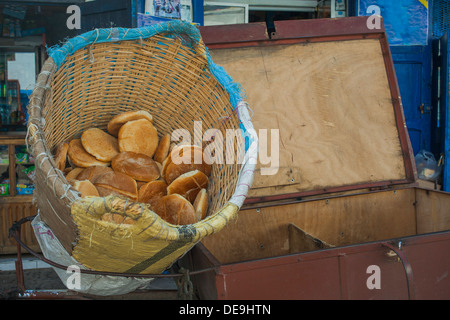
(329, 87)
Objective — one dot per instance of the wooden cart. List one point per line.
(343, 218)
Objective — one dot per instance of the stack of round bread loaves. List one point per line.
(130, 160)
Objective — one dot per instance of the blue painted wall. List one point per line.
(406, 21)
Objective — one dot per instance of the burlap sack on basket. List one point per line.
(166, 70)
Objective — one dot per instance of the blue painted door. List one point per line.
(414, 77)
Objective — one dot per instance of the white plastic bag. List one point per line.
(101, 285)
(427, 166)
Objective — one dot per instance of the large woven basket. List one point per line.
(166, 70)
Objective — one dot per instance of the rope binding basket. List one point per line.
(166, 70)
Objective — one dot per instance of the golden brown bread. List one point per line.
(100, 144)
(85, 188)
(61, 155)
(177, 151)
(152, 192)
(92, 173)
(176, 210)
(189, 185)
(73, 173)
(107, 191)
(137, 165)
(119, 120)
(80, 157)
(183, 159)
(138, 136)
(159, 165)
(173, 150)
(140, 184)
(201, 204)
(117, 218)
(116, 183)
(162, 151)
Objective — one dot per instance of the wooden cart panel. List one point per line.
(258, 258)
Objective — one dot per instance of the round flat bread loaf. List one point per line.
(140, 184)
(201, 204)
(119, 120)
(80, 157)
(85, 188)
(162, 151)
(100, 144)
(152, 192)
(189, 185)
(138, 136)
(137, 165)
(183, 159)
(92, 173)
(73, 174)
(176, 210)
(116, 183)
(61, 155)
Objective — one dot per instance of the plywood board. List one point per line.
(433, 211)
(301, 241)
(332, 105)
